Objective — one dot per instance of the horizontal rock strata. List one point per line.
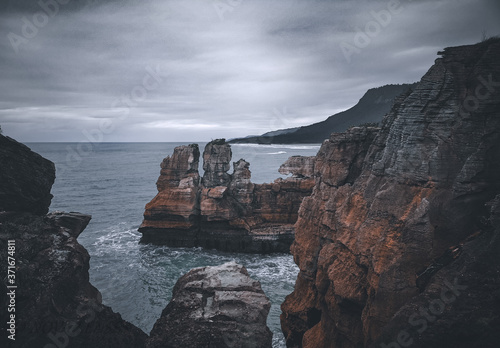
(398, 244)
(224, 211)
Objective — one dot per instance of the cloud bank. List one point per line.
(193, 71)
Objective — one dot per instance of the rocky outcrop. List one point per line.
(398, 244)
(225, 211)
(217, 306)
(216, 163)
(299, 166)
(177, 200)
(25, 178)
(49, 299)
(55, 304)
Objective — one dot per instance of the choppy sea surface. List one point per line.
(113, 182)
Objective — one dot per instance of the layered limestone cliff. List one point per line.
(224, 211)
(398, 243)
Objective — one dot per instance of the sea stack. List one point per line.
(221, 210)
(177, 203)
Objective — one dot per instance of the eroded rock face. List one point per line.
(25, 178)
(218, 306)
(299, 166)
(177, 202)
(216, 163)
(226, 211)
(181, 169)
(392, 216)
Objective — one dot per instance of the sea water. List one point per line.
(113, 182)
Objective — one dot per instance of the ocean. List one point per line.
(113, 182)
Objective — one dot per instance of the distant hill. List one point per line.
(371, 108)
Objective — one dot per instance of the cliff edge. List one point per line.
(398, 244)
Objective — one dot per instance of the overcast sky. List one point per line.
(159, 70)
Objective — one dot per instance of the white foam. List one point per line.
(276, 153)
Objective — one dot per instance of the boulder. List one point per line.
(219, 306)
(299, 166)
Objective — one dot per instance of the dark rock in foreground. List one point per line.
(54, 304)
(217, 306)
(225, 211)
(398, 246)
(25, 178)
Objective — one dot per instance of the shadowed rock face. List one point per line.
(400, 215)
(55, 304)
(218, 306)
(25, 178)
(226, 212)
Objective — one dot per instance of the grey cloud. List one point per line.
(266, 65)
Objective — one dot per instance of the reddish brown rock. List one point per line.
(393, 216)
(176, 207)
(226, 211)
